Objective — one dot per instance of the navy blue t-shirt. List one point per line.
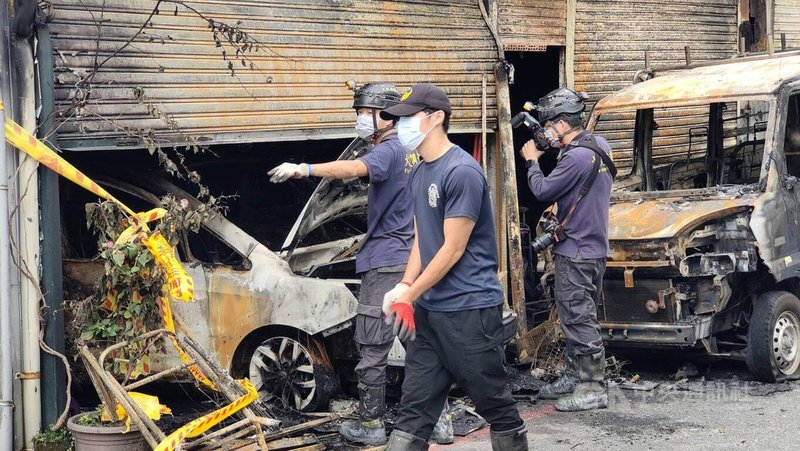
(390, 227)
(454, 186)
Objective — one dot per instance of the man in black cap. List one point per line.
(451, 312)
(383, 254)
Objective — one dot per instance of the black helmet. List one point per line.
(379, 95)
(560, 101)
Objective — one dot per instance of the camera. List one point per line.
(524, 118)
(553, 233)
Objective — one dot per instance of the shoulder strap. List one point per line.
(590, 143)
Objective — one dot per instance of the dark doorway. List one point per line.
(535, 74)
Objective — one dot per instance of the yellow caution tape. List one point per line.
(179, 283)
(141, 222)
(196, 427)
(148, 403)
(24, 141)
(169, 324)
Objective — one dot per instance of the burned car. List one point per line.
(704, 229)
(281, 317)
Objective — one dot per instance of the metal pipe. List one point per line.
(28, 248)
(6, 369)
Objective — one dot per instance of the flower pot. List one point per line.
(101, 438)
(51, 446)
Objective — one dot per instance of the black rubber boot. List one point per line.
(565, 384)
(403, 441)
(443, 431)
(369, 428)
(591, 390)
(513, 440)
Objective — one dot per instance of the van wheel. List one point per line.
(773, 341)
(282, 368)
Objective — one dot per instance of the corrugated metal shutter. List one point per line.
(611, 37)
(311, 47)
(787, 20)
(532, 25)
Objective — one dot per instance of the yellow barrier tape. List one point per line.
(169, 324)
(24, 141)
(148, 403)
(180, 285)
(196, 427)
(141, 222)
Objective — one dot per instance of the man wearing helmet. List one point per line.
(581, 186)
(384, 251)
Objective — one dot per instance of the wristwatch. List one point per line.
(529, 163)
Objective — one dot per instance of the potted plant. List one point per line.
(92, 434)
(126, 305)
(60, 440)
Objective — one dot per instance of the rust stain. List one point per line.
(667, 218)
(234, 312)
(705, 85)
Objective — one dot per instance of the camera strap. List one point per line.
(590, 142)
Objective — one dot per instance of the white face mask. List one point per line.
(408, 131)
(552, 137)
(365, 128)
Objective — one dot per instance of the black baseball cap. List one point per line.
(418, 97)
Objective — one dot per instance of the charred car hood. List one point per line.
(332, 199)
(665, 215)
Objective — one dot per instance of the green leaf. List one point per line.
(119, 258)
(87, 334)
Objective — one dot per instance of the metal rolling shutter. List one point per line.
(532, 25)
(610, 42)
(787, 20)
(312, 48)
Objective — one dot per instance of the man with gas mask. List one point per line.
(448, 307)
(382, 258)
(580, 184)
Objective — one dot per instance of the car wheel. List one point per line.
(773, 341)
(283, 368)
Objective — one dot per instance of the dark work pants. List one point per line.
(465, 347)
(579, 283)
(374, 336)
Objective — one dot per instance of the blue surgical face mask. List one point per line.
(365, 128)
(408, 131)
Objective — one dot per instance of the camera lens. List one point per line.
(542, 242)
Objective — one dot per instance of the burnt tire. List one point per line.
(284, 370)
(773, 341)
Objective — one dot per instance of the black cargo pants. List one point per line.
(579, 283)
(465, 347)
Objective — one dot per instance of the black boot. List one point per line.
(591, 390)
(403, 441)
(514, 440)
(369, 428)
(443, 430)
(565, 384)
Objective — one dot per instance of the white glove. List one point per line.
(393, 295)
(286, 171)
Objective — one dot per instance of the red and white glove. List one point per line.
(402, 315)
(393, 295)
